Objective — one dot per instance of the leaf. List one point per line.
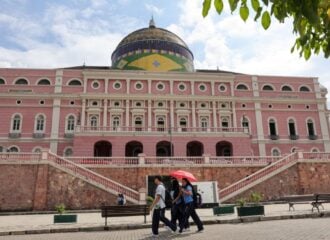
(265, 20)
(218, 6)
(233, 5)
(206, 7)
(258, 14)
(265, 2)
(255, 5)
(244, 12)
(307, 53)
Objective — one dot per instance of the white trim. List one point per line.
(314, 126)
(295, 125)
(295, 148)
(315, 148)
(222, 85)
(75, 79)
(43, 78)
(135, 86)
(309, 89)
(249, 122)
(65, 149)
(98, 84)
(200, 85)
(35, 148)
(158, 116)
(275, 148)
(19, 150)
(183, 84)
(276, 125)
(66, 123)
(3, 80)
(160, 84)
(12, 123)
(36, 123)
(18, 78)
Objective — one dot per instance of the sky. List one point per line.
(63, 33)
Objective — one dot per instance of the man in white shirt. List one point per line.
(159, 208)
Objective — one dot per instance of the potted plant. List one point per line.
(63, 218)
(224, 209)
(252, 208)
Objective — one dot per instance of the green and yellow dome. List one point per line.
(153, 49)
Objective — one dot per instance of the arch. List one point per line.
(160, 122)
(44, 81)
(75, 82)
(224, 149)
(310, 127)
(133, 149)
(40, 123)
(37, 149)
(16, 122)
(103, 149)
(315, 150)
(94, 121)
(21, 81)
(195, 149)
(204, 123)
(70, 122)
(116, 120)
(183, 123)
(138, 123)
(242, 86)
(276, 152)
(292, 128)
(304, 89)
(286, 88)
(13, 148)
(268, 87)
(164, 149)
(272, 127)
(245, 122)
(2, 81)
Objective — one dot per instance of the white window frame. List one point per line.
(36, 123)
(67, 123)
(12, 123)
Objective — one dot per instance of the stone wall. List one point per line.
(33, 187)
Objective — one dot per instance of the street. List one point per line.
(299, 229)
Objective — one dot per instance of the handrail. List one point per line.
(257, 175)
(19, 156)
(93, 176)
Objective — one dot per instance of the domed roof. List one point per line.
(153, 49)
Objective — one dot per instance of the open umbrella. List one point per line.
(183, 174)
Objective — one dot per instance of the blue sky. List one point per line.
(44, 33)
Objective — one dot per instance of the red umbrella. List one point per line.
(183, 174)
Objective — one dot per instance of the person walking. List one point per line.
(158, 205)
(189, 209)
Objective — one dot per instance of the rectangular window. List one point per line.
(310, 127)
(272, 129)
(292, 129)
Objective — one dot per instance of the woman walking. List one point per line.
(189, 208)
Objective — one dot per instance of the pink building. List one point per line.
(153, 101)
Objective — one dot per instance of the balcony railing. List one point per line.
(164, 130)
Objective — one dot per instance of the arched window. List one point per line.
(1, 149)
(36, 150)
(314, 150)
(138, 122)
(40, 123)
(13, 149)
(267, 88)
(286, 88)
(16, 123)
(70, 123)
(292, 129)
(204, 123)
(242, 87)
(311, 129)
(94, 120)
(245, 123)
(115, 122)
(75, 82)
(183, 124)
(224, 122)
(161, 124)
(272, 129)
(276, 152)
(44, 82)
(2, 81)
(21, 81)
(304, 89)
(68, 152)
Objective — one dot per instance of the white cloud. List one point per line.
(153, 9)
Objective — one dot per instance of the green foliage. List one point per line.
(255, 197)
(241, 202)
(60, 208)
(311, 20)
(149, 200)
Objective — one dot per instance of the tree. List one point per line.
(311, 20)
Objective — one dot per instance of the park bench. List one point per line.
(298, 199)
(124, 211)
(319, 199)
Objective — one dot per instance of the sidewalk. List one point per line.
(43, 223)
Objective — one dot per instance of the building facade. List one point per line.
(153, 101)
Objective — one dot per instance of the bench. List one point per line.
(319, 199)
(124, 211)
(298, 199)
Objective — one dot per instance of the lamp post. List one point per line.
(171, 145)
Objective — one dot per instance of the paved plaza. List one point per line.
(297, 229)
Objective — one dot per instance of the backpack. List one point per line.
(197, 197)
(168, 199)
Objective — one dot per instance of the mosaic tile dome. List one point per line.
(153, 49)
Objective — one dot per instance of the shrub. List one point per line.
(255, 197)
(149, 200)
(60, 208)
(241, 202)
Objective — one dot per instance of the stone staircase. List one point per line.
(91, 177)
(258, 177)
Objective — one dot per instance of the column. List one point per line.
(215, 120)
(83, 113)
(58, 83)
(171, 87)
(212, 88)
(172, 115)
(149, 115)
(234, 114)
(105, 112)
(149, 86)
(85, 85)
(127, 114)
(55, 125)
(193, 113)
(324, 126)
(128, 81)
(106, 86)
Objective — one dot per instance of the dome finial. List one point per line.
(152, 22)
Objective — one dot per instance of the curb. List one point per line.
(148, 225)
